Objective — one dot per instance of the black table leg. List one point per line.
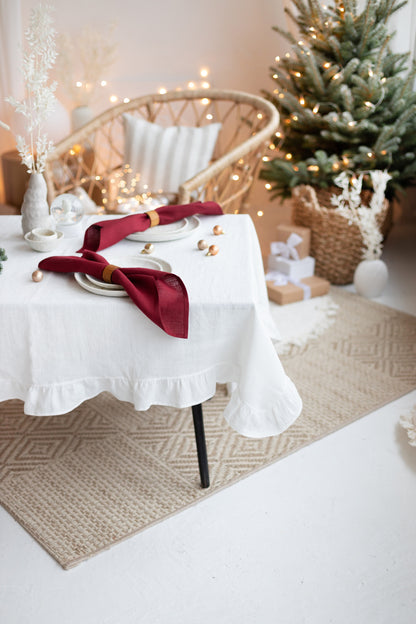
(201, 445)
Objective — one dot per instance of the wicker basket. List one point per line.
(336, 245)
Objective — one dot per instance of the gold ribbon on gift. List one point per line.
(108, 271)
(154, 217)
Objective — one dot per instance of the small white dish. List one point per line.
(169, 232)
(102, 289)
(46, 244)
(41, 234)
(141, 262)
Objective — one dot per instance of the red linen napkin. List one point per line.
(105, 233)
(161, 296)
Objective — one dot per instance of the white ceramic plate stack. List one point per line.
(169, 232)
(99, 287)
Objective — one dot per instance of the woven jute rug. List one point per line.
(82, 482)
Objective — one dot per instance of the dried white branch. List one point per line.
(348, 204)
(83, 63)
(39, 101)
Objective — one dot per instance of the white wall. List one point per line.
(166, 42)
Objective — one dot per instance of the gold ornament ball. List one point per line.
(148, 248)
(202, 244)
(37, 276)
(213, 250)
(217, 229)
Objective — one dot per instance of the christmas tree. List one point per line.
(345, 100)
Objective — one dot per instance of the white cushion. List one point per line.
(166, 157)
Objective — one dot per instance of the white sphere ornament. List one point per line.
(370, 278)
(68, 211)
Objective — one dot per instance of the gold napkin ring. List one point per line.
(154, 217)
(108, 271)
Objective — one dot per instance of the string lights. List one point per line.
(203, 83)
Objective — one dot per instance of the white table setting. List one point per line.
(67, 338)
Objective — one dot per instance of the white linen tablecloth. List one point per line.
(61, 345)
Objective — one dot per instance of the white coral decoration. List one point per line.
(39, 100)
(408, 422)
(348, 204)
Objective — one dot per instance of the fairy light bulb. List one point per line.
(113, 98)
(162, 90)
(268, 186)
(277, 59)
(103, 83)
(315, 109)
(327, 65)
(289, 156)
(302, 101)
(204, 72)
(336, 76)
(260, 213)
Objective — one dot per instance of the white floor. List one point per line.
(328, 535)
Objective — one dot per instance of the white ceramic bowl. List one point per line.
(40, 234)
(46, 244)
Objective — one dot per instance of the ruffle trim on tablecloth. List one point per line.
(250, 421)
(262, 423)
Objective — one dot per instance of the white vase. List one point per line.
(80, 116)
(370, 278)
(35, 208)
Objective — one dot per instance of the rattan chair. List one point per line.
(94, 154)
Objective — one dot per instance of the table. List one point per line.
(61, 345)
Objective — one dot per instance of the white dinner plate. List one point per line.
(169, 232)
(141, 261)
(102, 288)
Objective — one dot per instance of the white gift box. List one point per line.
(295, 269)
